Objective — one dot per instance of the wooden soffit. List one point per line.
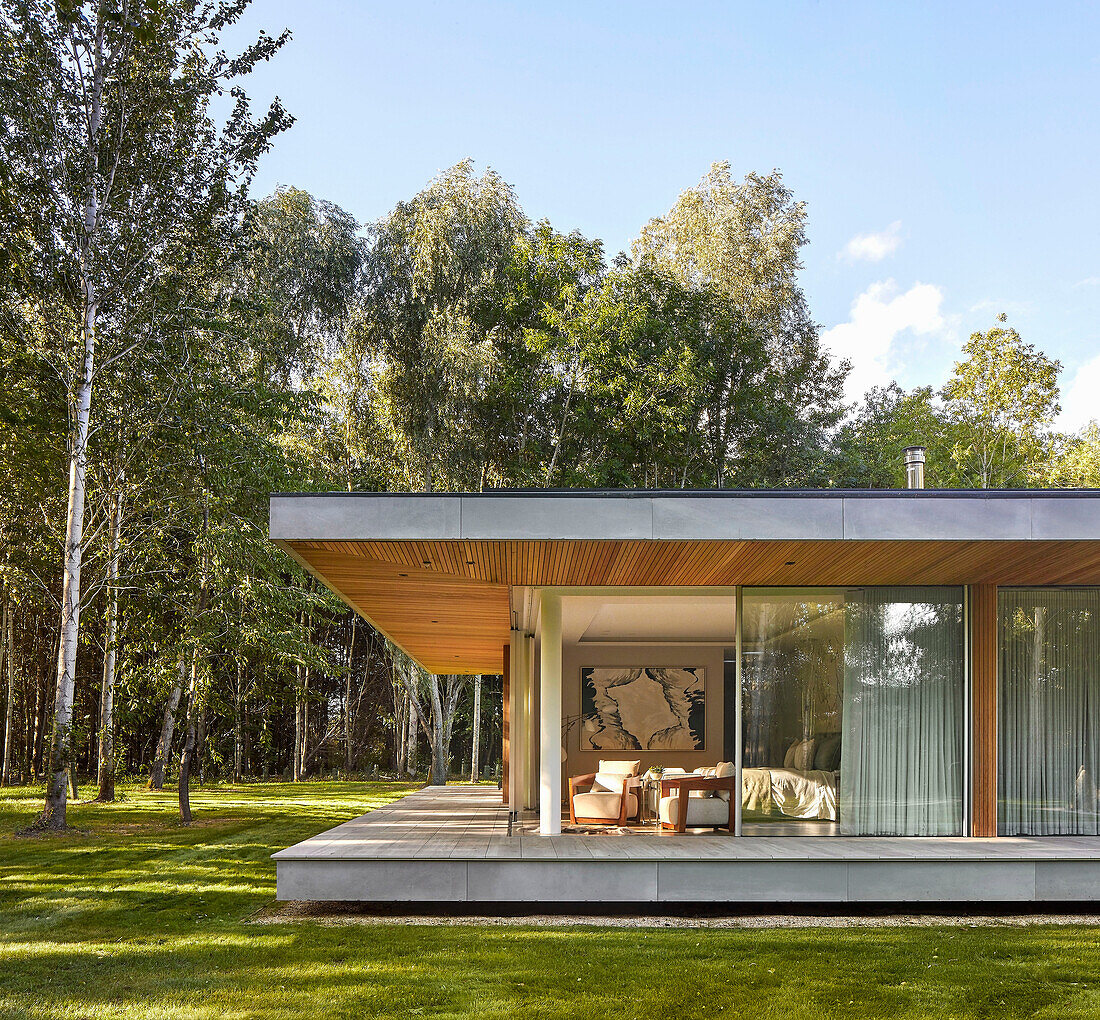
(447, 602)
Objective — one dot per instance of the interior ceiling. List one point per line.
(648, 618)
(446, 602)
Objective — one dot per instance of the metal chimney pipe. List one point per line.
(914, 467)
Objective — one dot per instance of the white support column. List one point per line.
(739, 751)
(516, 735)
(531, 758)
(550, 714)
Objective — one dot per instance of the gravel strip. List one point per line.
(349, 914)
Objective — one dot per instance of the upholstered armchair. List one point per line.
(610, 796)
(701, 799)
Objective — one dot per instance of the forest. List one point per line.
(173, 349)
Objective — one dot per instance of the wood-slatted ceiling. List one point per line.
(446, 602)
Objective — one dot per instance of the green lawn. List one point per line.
(135, 917)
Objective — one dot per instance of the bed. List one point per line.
(804, 786)
(789, 793)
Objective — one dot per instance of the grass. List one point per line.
(135, 917)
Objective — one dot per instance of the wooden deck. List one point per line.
(451, 844)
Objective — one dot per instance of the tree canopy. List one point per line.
(241, 346)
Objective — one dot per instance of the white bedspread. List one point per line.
(794, 793)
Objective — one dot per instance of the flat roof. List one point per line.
(433, 571)
(741, 514)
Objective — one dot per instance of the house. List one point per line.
(896, 693)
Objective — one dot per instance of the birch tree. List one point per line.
(433, 701)
(104, 108)
(1002, 400)
(475, 738)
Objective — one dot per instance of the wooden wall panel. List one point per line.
(983, 677)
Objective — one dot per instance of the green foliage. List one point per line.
(870, 444)
(1003, 399)
(1075, 461)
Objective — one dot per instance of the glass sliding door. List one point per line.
(903, 765)
(792, 654)
(853, 710)
(1048, 752)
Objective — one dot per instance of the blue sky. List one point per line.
(949, 154)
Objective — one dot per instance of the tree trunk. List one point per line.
(198, 766)
(475, 773)
(194, 692)
(7, 636)
(188, 755)
(412, 742)
(53, 814)
(437, 736)
(106, 775)
(347, 699)
(296, 763)
(400, 728)
(167, 729)
(40, 709)
(304, 762)
(238, 746)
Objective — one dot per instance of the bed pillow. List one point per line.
(827, 755)
(800, 755)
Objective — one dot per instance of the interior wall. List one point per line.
(577, 655)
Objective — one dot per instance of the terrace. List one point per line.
(451, 845)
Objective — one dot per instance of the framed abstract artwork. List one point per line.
(643, 708)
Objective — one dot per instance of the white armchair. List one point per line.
(700, 799)
(607, 797)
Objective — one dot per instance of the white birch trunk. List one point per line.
(188, 755)
(412, 742)
(106, 776)
(296, 763)
(7, 636)
(167, 730)
(238, 743)
(347, 701)
(475, 773)
(195, 692)
(53, 815)
(304, 760)
(437, 735)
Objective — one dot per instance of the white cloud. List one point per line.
(1088, 281)
(1008, 307)
(873, 247)
(879, 316)
(1081, 399)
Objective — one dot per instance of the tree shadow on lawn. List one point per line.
(387, 971)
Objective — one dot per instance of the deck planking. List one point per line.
(469, 823)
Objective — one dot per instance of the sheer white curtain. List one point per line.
(1049, 719)
(902, 763)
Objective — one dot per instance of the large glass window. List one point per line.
(1049, 712)
(853, 710)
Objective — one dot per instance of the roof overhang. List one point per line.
(433, 571)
